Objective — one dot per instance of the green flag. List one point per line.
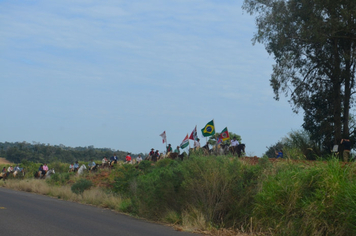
(209, 129)
(185, 142)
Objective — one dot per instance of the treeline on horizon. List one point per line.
(18, 152)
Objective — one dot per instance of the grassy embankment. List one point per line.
(211, 193)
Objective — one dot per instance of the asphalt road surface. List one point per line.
(25, 214)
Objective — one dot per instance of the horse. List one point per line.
(112, 163)
(49, 173)
(4, 176)
(237, 149)
(81, 169)
(39, 175)
(20, 173)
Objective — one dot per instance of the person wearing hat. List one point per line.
(169, 149)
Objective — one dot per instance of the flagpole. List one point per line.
(216, 141)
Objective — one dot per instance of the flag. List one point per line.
(209, 129)
(194, 134)
(164, 137)
(219, 140)
(185, 142)
(224, 135)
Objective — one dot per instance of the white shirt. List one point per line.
(196, 143)
(234, 143)
(139, 159)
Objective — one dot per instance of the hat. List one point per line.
(152, 149)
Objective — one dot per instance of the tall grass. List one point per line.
(217, 192)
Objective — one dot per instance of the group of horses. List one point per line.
(220, 149)
(96, 167)
(15, 174)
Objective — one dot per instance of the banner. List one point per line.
(194, 134)
(164, 137)
(209, 129)
(185, 142)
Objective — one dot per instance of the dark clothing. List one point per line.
(155, 157)
(347, 144)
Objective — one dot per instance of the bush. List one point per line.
(80, 186)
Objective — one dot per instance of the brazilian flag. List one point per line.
(209, 129)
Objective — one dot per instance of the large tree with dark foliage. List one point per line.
(313, 43)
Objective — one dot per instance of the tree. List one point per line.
(313, 43)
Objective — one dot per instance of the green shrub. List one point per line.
(80, 186)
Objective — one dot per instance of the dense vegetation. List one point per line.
(39, 152)
(313, 44)
(287, 197)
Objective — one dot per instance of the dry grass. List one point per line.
(94, 196)
(4, 161)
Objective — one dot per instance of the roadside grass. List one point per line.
(220, 195)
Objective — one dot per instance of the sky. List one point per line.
(116, 74)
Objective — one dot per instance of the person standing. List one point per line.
(347, 149)
(196, 144)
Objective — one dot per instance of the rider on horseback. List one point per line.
(91, 164)
(45, 167)
(113, 159)
(76, 166)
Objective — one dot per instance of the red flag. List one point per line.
(194, 134)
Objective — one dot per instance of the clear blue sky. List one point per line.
(117, 74)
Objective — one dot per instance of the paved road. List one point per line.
(28, 214)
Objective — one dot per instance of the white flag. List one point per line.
(164, 137)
